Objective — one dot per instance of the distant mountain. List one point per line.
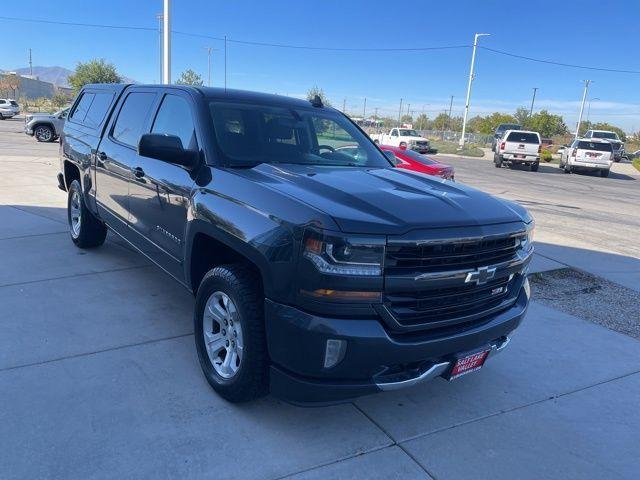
(57, 75)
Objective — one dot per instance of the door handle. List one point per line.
(138, 172)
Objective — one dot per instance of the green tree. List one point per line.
(547, 124)
(189, 77)
(422, 122)
(441, 122)
(315, 90)
(584, 126)
(94, 71)
(487, 125)
(406, 119)
(59, 100)
(521, 115)
(612, 128)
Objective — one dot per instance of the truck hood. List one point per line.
(415, 139)
(384, 200)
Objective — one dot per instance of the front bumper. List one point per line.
(374, 359)
(28, 131)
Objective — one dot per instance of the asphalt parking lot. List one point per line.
(99, 377)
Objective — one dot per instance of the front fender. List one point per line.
(265, 240)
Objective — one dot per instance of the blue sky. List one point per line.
(581, 32)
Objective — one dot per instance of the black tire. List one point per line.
(604, 173)
(535, 166)
(567, 168)
(616, 159)
(497, 161)
(243, 286)
(91, 231)
(44, 133)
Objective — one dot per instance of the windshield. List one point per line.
(250, 134)
(609, 135)
(13, 102)
(408, 133)
(503, 127)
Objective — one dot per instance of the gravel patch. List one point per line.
(589, 297)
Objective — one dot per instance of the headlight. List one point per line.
(337, 255)
(527, 241)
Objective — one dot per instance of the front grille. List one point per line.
(436, 257)
(443, 303)
(421, 143)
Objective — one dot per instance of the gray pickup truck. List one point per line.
(45, 127)
(320, 273)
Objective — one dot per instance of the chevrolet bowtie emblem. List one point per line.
(480, 276)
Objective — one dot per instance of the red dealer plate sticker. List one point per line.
(468, 364)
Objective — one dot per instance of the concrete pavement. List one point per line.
(99, 377)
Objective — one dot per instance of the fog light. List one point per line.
(334, 352)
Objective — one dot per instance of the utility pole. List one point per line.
(166, 66)
(30, 64)
(344, 105)
(535, 89)
(466, 103)
(400, 112)
(209, 50)
(160, 20)
(584, 97)
(364, 109)
(450, 108)
(409, 109)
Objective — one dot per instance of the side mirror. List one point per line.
(167, 148)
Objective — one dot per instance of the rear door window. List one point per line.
(98, 109)
(82, 107)
(523, 137)
(132, 118)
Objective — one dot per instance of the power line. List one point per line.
(561, 64)
(328, 49)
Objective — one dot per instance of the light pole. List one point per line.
(589, 108)
(466, 104)
(160, 21)
(209, 50)
(166, 67)
(533, 99)
(584, 97)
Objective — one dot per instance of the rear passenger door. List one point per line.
(117, 154)
(160, 191)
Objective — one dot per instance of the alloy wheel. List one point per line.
(75, 213)
(222, 333)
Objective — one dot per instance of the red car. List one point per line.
(419, 163)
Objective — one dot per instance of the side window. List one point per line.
(394, 133)
(132, 116)
(98, 109)
(588, 134)
(81, 109)
(174, 118)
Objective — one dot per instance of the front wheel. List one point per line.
(86, 230)
(44, 133)
(230, 334)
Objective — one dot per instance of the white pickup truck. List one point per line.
(518, 147)
(403, 137)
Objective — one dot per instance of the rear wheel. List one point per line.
(534, 167)
(230, 335)
(86, 230)
(567, 168)
(604, 173)
(497, 160)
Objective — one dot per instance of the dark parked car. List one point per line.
(317, 275)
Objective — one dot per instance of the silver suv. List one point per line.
(8, 108)
(612, 138)
(46, 127)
